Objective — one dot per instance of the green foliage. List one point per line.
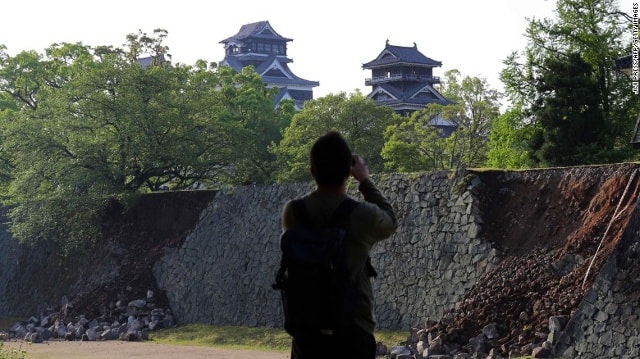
(508, 141)
(358, 118)
(596, 30)
(571, 124)
(226, 337)
(415, 144)
(11, 353)
(474, 109)
(252, 123)
(87, 126)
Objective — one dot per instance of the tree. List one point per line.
(21, 76)
(93, 125)
(474, 109)
(360, 120)
(415, 144)
(247, 103)
(508, 145)
(571, 122)
(596, 30)
(474, 106)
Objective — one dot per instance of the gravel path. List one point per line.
(125, 350)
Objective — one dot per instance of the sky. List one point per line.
(331, 38)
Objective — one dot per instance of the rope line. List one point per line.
(616, 213)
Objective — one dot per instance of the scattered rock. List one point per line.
(131, 323)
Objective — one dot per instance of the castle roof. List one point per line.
(260, 29)
(401, 55)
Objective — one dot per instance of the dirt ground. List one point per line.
(125, 350)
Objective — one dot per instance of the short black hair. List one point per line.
(331, 158)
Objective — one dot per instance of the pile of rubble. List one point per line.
(429, 342)
(130, 321)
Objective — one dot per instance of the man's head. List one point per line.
(330, 160)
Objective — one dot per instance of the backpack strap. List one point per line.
(340, 218)
(300, 211)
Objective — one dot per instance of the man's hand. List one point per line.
(359, 169)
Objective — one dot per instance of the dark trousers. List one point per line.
(354, 344)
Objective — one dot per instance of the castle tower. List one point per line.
(259, 45)
(402, 78)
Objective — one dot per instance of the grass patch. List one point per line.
(6, 353)
(391, 338)
(226, 337)
(264, 339)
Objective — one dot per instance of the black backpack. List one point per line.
(318, 296)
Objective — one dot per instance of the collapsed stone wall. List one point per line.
(223, 272)
(606, 324)
(37, 277)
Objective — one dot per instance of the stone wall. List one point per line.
(223, 272)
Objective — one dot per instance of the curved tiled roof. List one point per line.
(254, 30)
(407, 96)
(232, 62)
(299, 97)
(289, 79)
(401, 54)
(266, 63)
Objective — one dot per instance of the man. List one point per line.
(370, 221)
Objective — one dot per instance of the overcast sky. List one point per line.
(331, 38)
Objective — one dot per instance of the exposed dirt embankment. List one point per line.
(554, 229)
(133, 241)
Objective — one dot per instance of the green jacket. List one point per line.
(370, 222)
